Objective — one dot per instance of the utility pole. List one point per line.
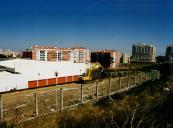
(81, 93)
(109, 91)
(56, 75)
(1, 107)
(96, 90)
(120, 82)
(36, 104)
(62, 96)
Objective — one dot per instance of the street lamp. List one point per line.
(80, 72)
(38, 79)
(56, 75)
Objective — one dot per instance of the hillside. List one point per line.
(146, 106)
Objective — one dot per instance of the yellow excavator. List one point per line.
(92, 73)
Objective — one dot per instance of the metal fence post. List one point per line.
(120, 82)
(128, 84)
(81, 93)
(158, 75)
(96, 90)
(135, 80)
(36, 104)
(1, 107)
(141, 77)
(109, 91)
(152, 76)
(62, 102)
(145, 76)
(56, 93)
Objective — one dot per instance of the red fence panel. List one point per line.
(52, 81)
(69, 79)
(75, 78)
(41, 83)
(61, 80)
(32, 84)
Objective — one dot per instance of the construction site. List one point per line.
(25, 105)
(58, 86)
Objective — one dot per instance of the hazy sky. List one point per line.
(95, 24)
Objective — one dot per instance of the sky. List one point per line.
(94, 24)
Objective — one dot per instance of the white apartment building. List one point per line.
(46, 53)
(81, 55)
(59, 55)
(125, 58)
(143, 53)
(1, 51)
(6, 52)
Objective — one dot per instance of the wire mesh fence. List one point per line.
(115, 86)
(24, 106)
(89, 92)
(71, 96)
(18, 108)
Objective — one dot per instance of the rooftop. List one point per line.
(144, 44)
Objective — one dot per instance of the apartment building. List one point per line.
(143, 53)
(6, 52)
(1, 51)
(27, 54)
(65, 54)
(44, 53)
(107, 58)
(169, 54)
(47, 53)
(125, 58)
(9, 53)
(80, 55)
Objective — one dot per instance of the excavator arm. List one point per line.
(93, 72)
